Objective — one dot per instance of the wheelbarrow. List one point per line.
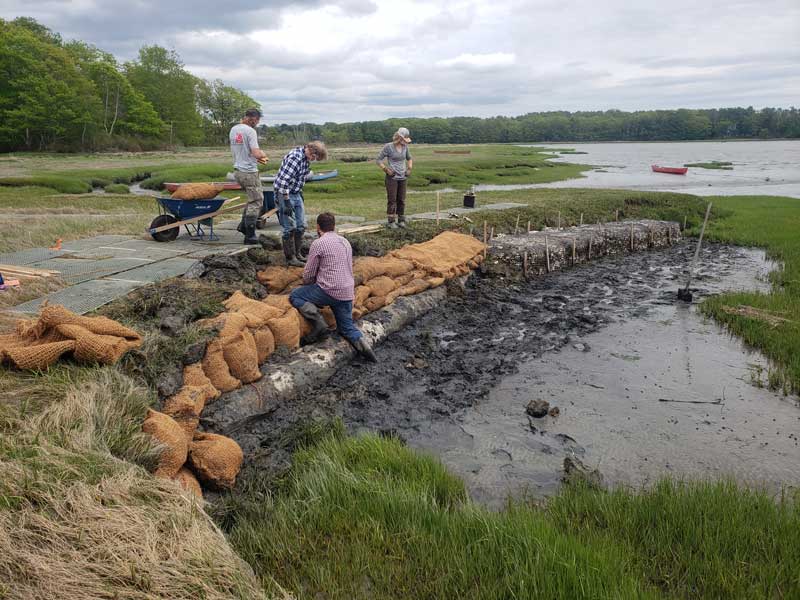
(193, 215)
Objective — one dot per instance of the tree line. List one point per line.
(59, 95)
(560, 126)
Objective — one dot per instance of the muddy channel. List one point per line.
(645, 386)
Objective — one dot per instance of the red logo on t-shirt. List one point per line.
(239, 139)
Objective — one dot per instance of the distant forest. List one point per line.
(71, 96)
(610, 125)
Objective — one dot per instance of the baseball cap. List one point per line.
(405, 134)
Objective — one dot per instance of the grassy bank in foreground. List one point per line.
(80, 515)
(368, 518)
(774, 326)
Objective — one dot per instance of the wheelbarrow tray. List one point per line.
(187, 209)
(189, 213)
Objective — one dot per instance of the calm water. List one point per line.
(769, 168)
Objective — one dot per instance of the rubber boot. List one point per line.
(320, 327)
(391, 225)
(364, 349)
(401, 222)
(298, 245)
(249, 226)
(288, 253)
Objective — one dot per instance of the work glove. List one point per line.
(285, 207)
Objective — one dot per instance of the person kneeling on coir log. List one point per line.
(328, 279)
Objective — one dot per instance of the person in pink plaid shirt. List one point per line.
(328, 279)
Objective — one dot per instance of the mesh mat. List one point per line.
(28, 257)
(74, 270)
(84, 297)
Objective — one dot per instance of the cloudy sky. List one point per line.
(318, 60)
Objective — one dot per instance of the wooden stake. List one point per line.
(529, 226)
(616, 216)
(631, 237)
(525, 264)
(669, 236)
(437, 209)
(573, 250)
(491, 235)
(684, 223)
(590, 247)
(485, 238)
(547, 253)
(558, 225)
(516, 227)
(581, 219)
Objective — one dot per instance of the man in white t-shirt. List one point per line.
(246, 156)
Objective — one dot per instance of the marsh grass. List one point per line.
(771, 223)
(714, 164)
(367, 517)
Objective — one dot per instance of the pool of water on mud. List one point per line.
(664, 392)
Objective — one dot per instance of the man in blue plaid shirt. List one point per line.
(289, 181)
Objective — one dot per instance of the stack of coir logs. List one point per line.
(406, 271)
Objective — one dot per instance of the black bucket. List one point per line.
(469, 200)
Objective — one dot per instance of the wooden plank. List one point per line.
(30, 271)
(362, 229)
(198, 218)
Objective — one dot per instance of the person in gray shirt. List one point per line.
(398, 169)
(246, 156)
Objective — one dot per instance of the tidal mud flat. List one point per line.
(605, 342)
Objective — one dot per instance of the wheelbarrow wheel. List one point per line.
(168, 234)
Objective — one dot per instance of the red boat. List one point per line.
(673, 170)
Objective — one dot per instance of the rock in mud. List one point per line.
(259, 256)
(221, 261)
(537, 408)
(194, 353)
(171, 325)
(195, 271)
(169, 383)
(577, 472)
(268, 242)
(554, 412)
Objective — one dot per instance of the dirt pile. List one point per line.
(38, 343)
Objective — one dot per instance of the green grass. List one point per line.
(771, 223)
(37, 216)
(714, 164)
(117, 188)
(369, 518)
(59, 183)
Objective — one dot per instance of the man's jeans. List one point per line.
(291, 214)
(342, 309)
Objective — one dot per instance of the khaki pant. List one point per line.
(251, 184)
(395, 199)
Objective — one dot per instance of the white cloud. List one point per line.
(494, 60)
(329, 60)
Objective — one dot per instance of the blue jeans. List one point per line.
(291, 214)
(342, 309)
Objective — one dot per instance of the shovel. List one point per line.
(684, 293)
